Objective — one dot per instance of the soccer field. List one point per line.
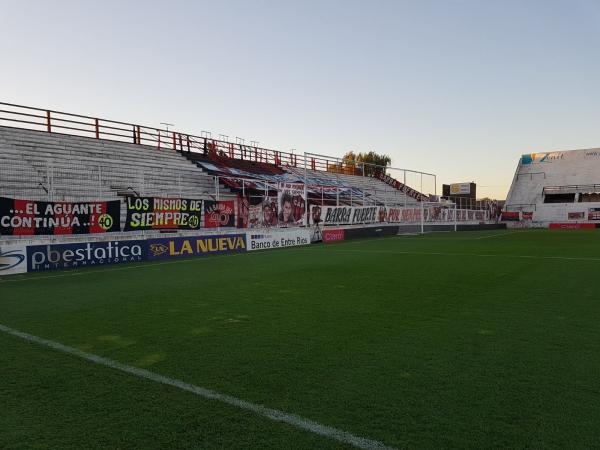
(471, 340)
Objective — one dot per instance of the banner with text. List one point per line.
(157, 213)
(196, 246)
(271, 239)
(83, 254)
(219, 213)
(344, 215)
(29, 217)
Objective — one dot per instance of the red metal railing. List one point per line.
(76, 124)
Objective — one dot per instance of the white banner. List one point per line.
(271, 239)
(291, 204)
(350, 215)
(346, 215)
(13, 259)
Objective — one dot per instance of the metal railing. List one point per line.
(574, 188)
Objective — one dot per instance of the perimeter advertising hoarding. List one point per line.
(358, 233)
(83, 254)
(271, 239)
(571, 226)
(13, 259)
(334, 235)
(178, 247)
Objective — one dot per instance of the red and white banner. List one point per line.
(30, 217)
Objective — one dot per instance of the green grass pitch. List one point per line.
(450, 340)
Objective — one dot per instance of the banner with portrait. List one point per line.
(291, 204)
(263, 214)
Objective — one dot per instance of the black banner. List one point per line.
(30, 217)
(157, 213)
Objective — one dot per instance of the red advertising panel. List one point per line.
(572, 226)
(334, 235)
(512, 216)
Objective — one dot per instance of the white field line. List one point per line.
(269, 413)
(478, 255)
(500, 234)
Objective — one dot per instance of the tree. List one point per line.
(353, 163)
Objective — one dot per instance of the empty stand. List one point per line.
(48, 166)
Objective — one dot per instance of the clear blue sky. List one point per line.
(459, 88)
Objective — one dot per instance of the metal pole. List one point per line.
(455, 219)
(305, 191)
(422, 218)
(405, 196)
(217, 197)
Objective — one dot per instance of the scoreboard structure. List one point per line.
(463, 194)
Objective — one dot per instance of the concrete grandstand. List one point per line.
(560, 188)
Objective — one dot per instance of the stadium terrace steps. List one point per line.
(83, 168)
(374, 189)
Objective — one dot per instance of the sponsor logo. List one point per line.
(10, 259)
(158, 249)
(64, 256)
(333, 235)
(105, 221)
(531, 158)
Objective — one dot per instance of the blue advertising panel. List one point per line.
(177, 247)
(84, 254)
